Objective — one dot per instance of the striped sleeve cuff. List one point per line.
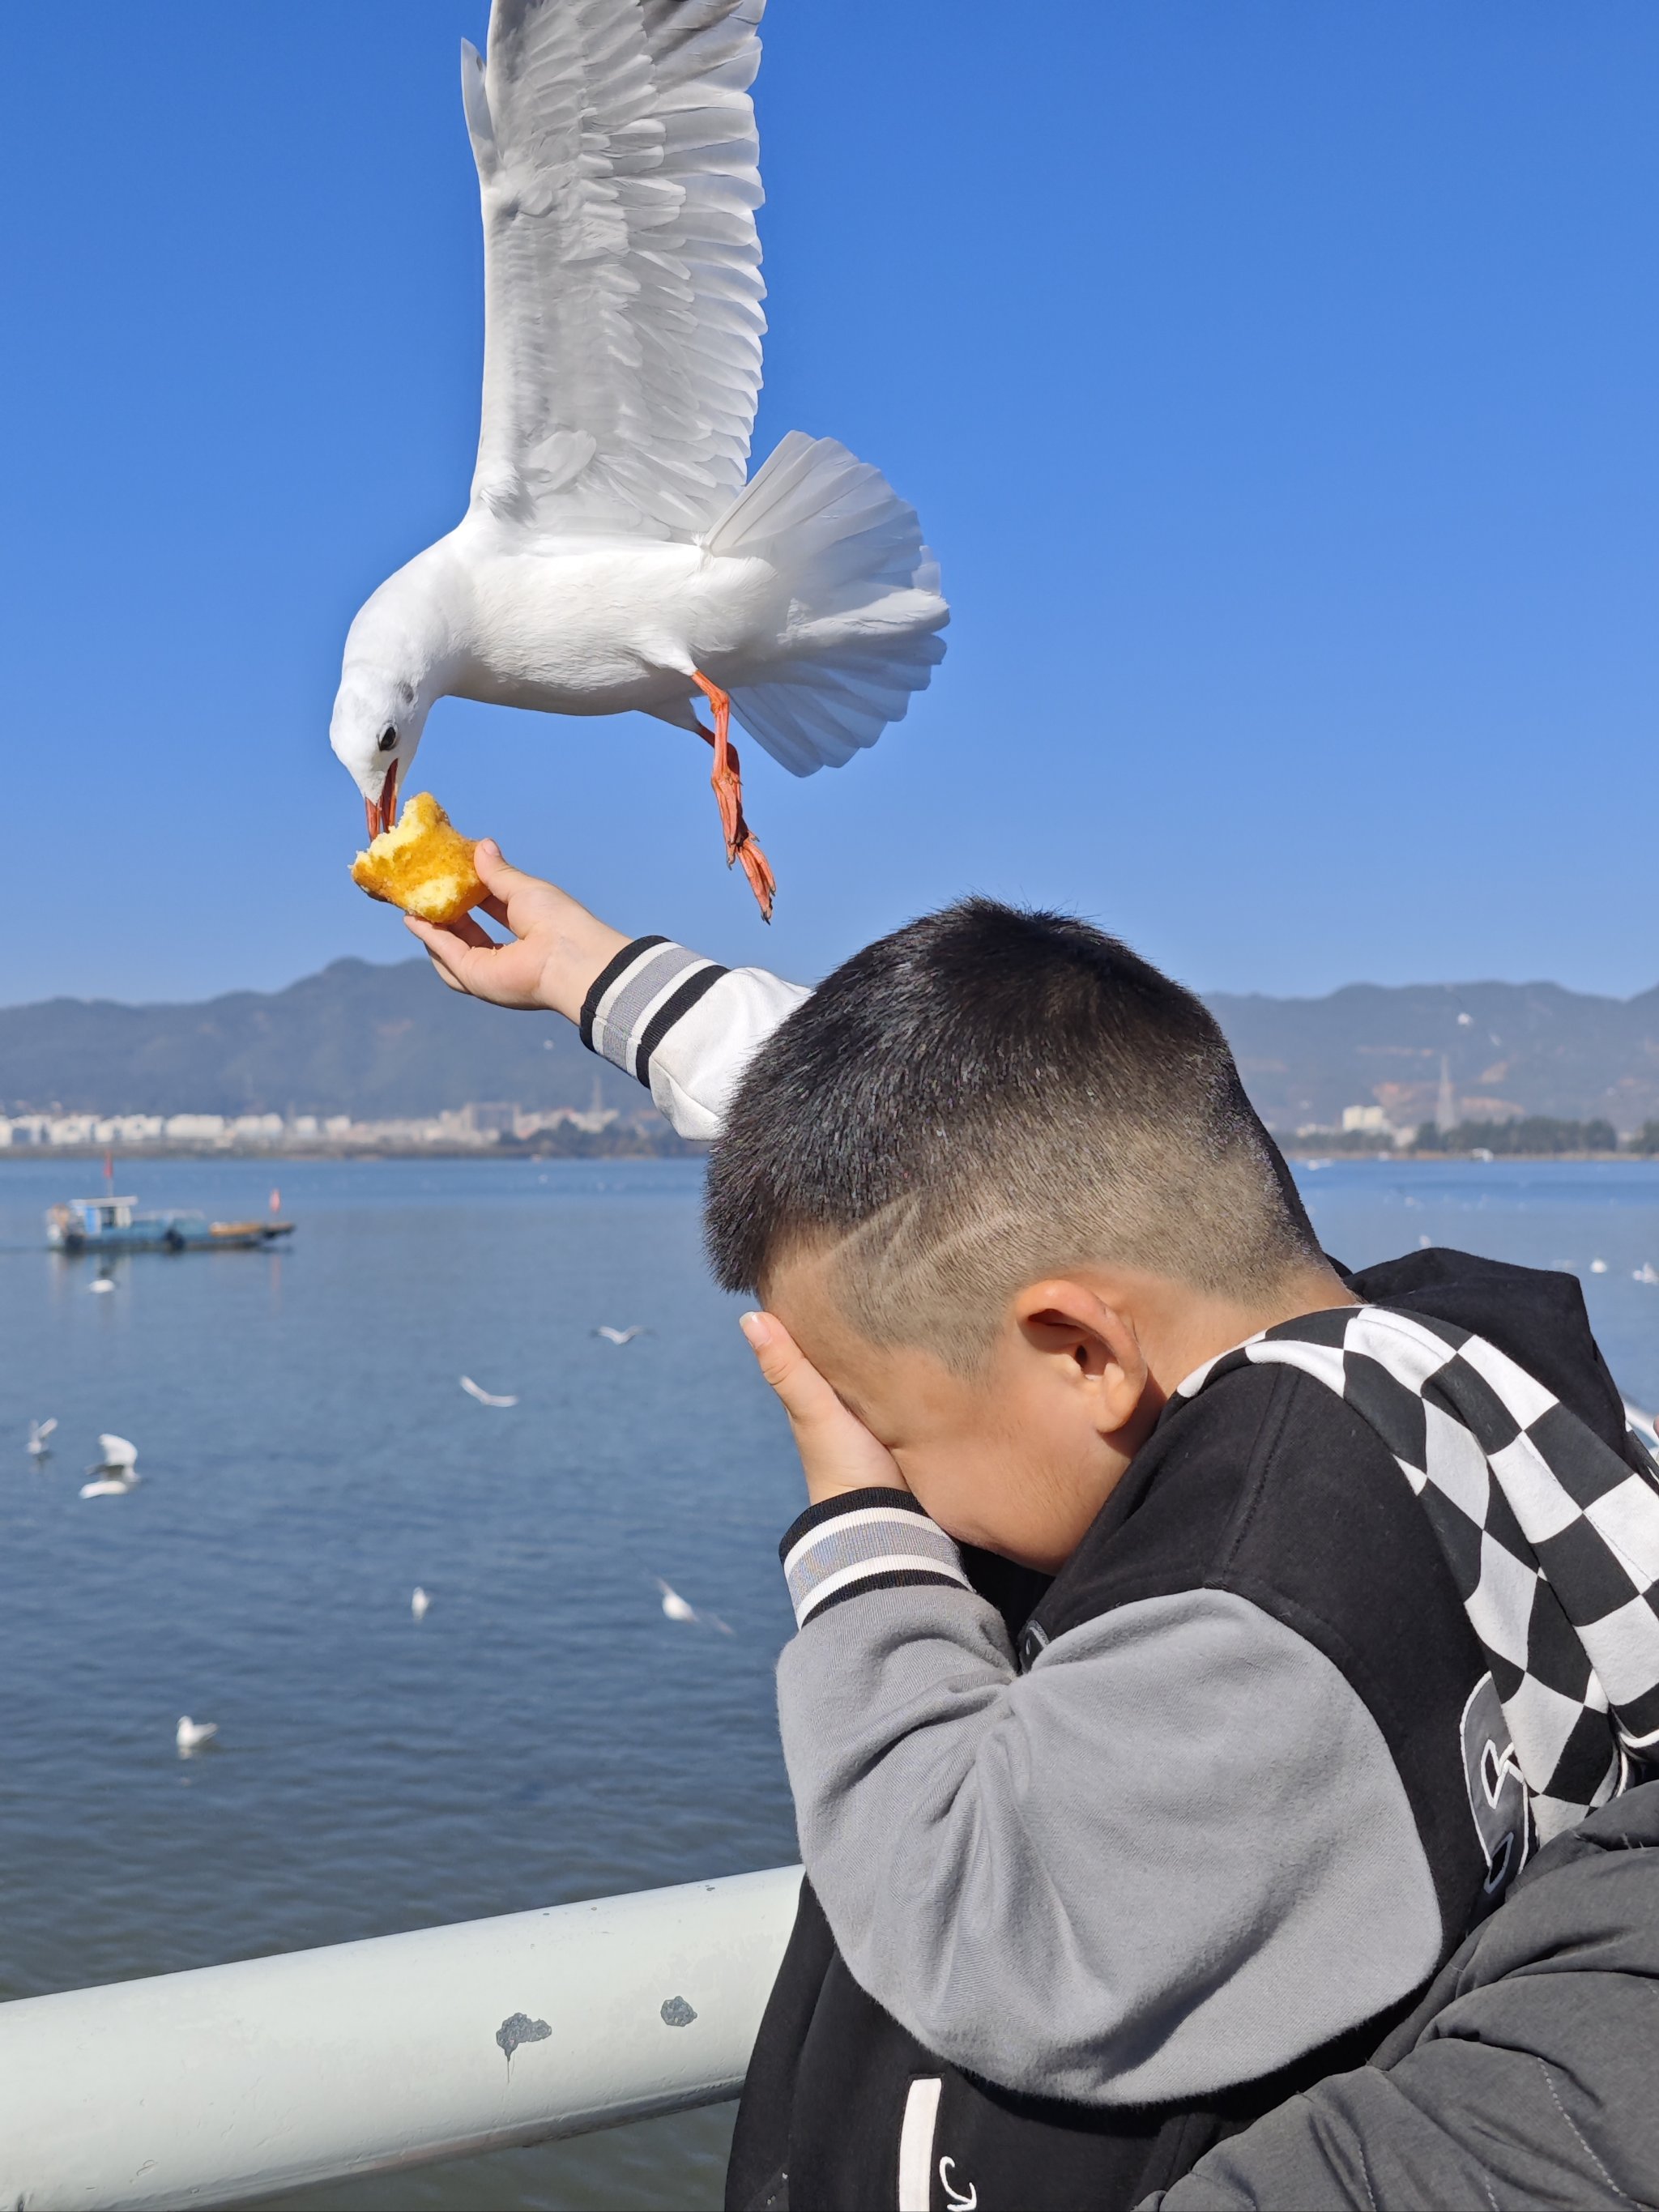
(865, 1540)
(636, 999)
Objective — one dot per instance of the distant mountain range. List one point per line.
(371, 1041)
(1508, 1049)
(374, 1041)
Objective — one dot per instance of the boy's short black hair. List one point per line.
(984, 1098)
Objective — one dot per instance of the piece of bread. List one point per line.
(423, 865)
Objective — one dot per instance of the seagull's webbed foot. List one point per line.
(727, 780)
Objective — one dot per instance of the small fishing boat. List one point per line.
(115, 1224)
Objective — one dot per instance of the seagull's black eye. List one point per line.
(388, 740)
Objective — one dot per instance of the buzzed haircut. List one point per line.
(985, 1098)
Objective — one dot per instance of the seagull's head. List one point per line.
(375, 729)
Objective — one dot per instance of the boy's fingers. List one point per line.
(495, 874)
(461, 959)
(838, 1452)
(471, 932)
(804, 1394)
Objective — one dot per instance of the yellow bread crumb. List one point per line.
(423, 865)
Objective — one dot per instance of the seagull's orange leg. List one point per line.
(728, 783)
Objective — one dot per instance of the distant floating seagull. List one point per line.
(101, 1283)
(484, 1397)
(677, 1608)
(116, 1472)
(190, 1736)
(612, 555)
(39, 1431)
(1598, 1267)
(419, 1602)
(619, 1335)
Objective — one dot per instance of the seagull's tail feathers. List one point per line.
(867, 603)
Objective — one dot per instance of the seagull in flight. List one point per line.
(612, 555)
(484, 1397)
(618, 1336)
(39, 1431)
(116, 1473)
(677, 1608)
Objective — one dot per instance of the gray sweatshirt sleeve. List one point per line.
(684, 1026)
(1173, 1856)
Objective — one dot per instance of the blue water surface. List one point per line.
(544, 1733)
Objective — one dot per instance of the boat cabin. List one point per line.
(94, 1217)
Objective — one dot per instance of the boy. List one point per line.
(1164, 1712)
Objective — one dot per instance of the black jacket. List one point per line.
(1529, 2077)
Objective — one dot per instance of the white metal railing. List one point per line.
(235, 2082)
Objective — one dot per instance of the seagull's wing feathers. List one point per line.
(117, 1451)
(618, 167)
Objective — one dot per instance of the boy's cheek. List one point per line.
(1034, 1513)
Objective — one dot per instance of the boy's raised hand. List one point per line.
(838, 1452)
(556, 950)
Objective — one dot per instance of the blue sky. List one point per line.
(1278, 384)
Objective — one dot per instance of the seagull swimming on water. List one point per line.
(419, 1602)
(484, 1397)
(612, 555)
(190, 1736)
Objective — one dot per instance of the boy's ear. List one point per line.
(1094, 1347)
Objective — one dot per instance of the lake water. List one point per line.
(544, 1733)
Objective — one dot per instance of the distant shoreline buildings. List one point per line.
(477, 1126)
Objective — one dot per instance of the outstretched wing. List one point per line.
(617, 163)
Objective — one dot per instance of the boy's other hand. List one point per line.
(838, 1452)
(558, 948)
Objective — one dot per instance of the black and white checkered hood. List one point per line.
(1552, 1537)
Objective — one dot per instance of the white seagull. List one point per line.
(484, 1397)
(39, 1431)
(677, 1608)
(612, 555)
(419, 1602)
(190, 1736)
(116, 1472)
(100, 1283)
(618, 1336)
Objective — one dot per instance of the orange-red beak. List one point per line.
(381, 815)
